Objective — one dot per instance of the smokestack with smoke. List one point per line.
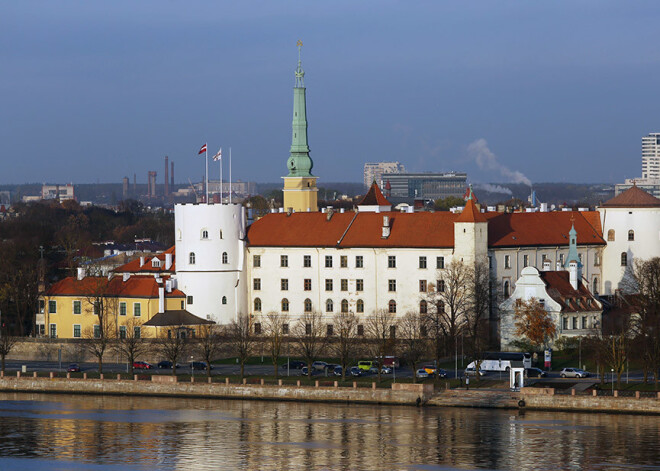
(487, 187)
(486, 160)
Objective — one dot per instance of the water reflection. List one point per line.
(77, 432)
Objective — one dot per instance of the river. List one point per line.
(60, 432)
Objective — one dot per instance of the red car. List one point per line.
(142, 365)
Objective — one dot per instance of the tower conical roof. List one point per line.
(374, 197)
(633, 197)
(471, 213)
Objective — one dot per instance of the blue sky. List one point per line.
(555, 91)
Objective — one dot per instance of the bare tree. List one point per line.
(102, 304)
(412, 339)
(208, 343)
(7, 342)
(274, 330)
(310, 337)
(171, 345)
(476, 316)
(241, 341)
(130, 342)
(381, 333)
(345, 347)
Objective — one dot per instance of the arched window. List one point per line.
(359, 306)
(191, 258)
(594, 284)
(221, 233)
(257, 304)
(423, 307)
(224, 300)
(610, 235)
(329, 306)
(225, 258)
(285, 305)
(308, 305)
(391, 306)
(344, 305)
(205, 234)
(624, 259)
(507, 289)
(631, 235)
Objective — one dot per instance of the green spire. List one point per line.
(300, 163)
(572, 247)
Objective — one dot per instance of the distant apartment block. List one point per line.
(57, 192)
(650, 181)
(426, 185)
(373, 171)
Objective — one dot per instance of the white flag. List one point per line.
(218, 156)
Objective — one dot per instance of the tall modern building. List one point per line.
(651, 156)
(373, 172)
(426, 185)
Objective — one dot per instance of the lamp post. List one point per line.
(612, 379)
(192, 369)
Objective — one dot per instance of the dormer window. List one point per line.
(155, 263)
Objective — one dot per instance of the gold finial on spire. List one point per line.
(299, 43)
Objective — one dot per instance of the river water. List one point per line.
(60, 432)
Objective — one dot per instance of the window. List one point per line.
(391, 285)
(328, 261)
(285, 305)
(307, 261)
(422, 262)
(256, 261)
(122, 331)
(441, 286)
(308, 329)
(122, 308)
(544, 258)
(359, 306)
(189, 299)
(97, 308)
(439, 262)
(441, 306)
(359, 285)
(575, 323)
(52, 307)
(391, 306)
(565, 321)
(525, 260)
(507, 289)
(308, 305)
(256, 284)
(594, 287)
(624, 259)
(423, 307)
(191, 258)
(284, 284)
(137, 332)
(329, 305)
(561, 258)
(285, 329)
(343, 261)
(329, 330)
(344, 284)
(391, 261)
(584, 322)
(507, 261)
(76, 307)
(76, 331)
(597, 260)
(344, 305)
(224, 300)
(97, 331)
(205, 234)
(183, 305)
(359, 261)
(221, 233)
(155, 263)
(137, 309)
(225, 258)
(392, 331)
(257, 304)
(631, 235)
(42, 306)
(422, 286)
(307, 284)
(328, 284)
(53, 331)
(610, 235)
(284, 261)
(360, 330)
(257, 328)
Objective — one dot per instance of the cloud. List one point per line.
(493, 188)
(486, 160)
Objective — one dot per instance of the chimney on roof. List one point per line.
(81, 273)
(168, 285)
(125, 277)
(573, 274)
(386, 227)
(141, 261)
(168, 261)
(161, 297)
(329, 214)
(289, 211)
(546, 265)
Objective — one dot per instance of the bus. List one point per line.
(501, 361)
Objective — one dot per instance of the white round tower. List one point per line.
(210, 259)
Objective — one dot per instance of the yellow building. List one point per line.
(83, 308)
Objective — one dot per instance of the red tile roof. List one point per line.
(559, 287)
(633, 197)
(374, 197)
(135, 287)
(471, 213)
(424, 229)
(134, 265)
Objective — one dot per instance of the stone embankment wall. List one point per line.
(399, 394)
(537, 398)
(498, 399)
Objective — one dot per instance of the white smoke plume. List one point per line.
(493, 188)
(486, 160)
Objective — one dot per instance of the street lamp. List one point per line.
(192, 370)
(612, 381)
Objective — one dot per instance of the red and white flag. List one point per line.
(218, 155)
(202, 150)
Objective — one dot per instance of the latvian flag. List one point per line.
(218, 156)
(202, 150)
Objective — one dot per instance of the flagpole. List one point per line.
(221, 175)
(230, 175)
(207, 173)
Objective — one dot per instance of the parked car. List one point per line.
(198, 365)
(303, 371)
(337, 371)
(471, 372)
(535, 373)
(294, 364)
(430, 369)
(319, 365)
(166, 365)
(142, 365)
(367, 365)
(331, 367)
(355, 371)
(73, 368)
(386, 370)
(421, 373)
(441, 373)
(573, 373)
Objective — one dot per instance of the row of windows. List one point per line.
(343, 261)
(77, 308)
(205, 234)
(544, 259)
(343, 285)
(611, 235)
(344, 306)
(574, 322)
(330, 330)
(77, 331)
(192, 258)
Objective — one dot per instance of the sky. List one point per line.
(557, 91)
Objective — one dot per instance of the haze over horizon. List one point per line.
(505, 91)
